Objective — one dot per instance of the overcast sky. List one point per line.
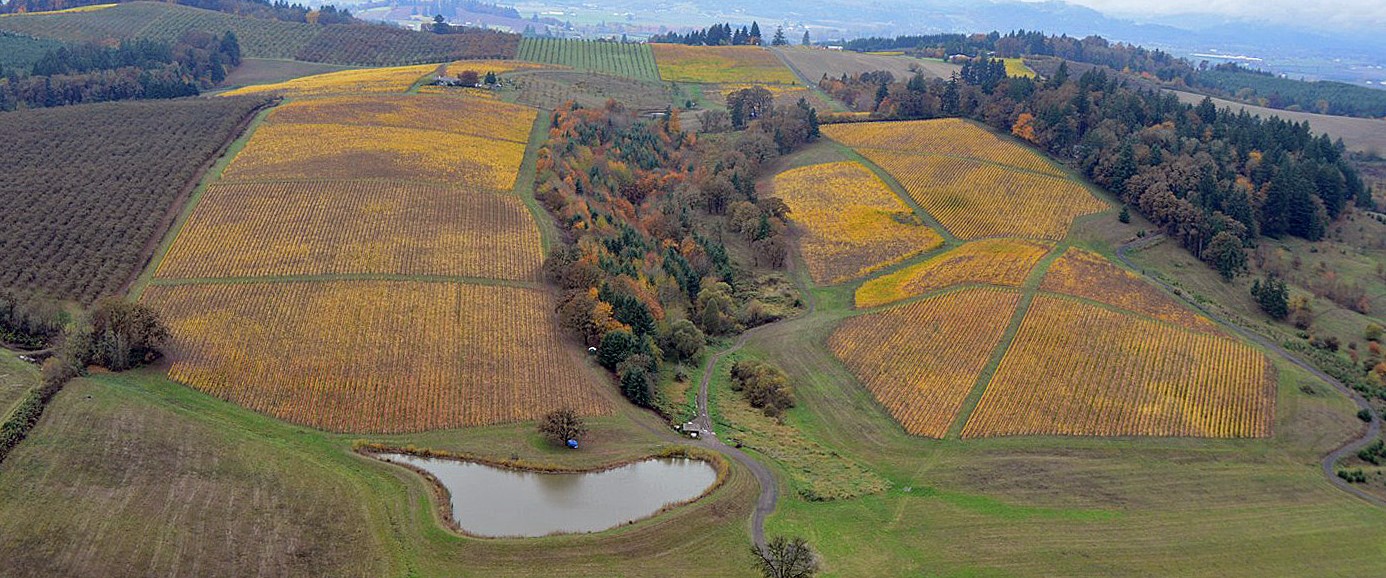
(1315, 13)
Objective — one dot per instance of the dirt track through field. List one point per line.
(1349, 447)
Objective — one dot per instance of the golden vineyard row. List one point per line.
(922, 359)
(976, 200)
(376, 356)
(853, 222)
(994, 261)
(490, 119)
(949, 136)
(1078, 369)
(334, 151)
(1087, 274)
(276, 229)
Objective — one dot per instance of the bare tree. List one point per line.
(786, 558)
(561, 425)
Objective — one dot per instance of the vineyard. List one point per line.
(922, 359)
(481, 67)
(976, 200)
(370, 80)
(552, 88)
(23, 51)
(350, 355)
(1077, 369)
(337, 151)
(480, 118)
(853, 222)
(617, 58)
(357, 45)
(270, 229)
(720, 64)
(79, 229)
(381, 45)
(1017, 67)
(784, 94)
(1087, 274)
(947, 137)
(992, 261)
(165, 22)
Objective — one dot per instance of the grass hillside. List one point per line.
(263, 38)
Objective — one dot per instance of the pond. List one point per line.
(495, 502)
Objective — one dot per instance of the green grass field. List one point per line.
(134, 475)
(16, 378)
(634, 61)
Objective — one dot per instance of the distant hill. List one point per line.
(263, 38)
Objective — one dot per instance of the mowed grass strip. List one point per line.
(630, 60)
(946, 136)
(1087, 274)
(376, 356)
(853, 222)
(476, 117)
(292, 151)
(720, 64)
(1079, 369)
(317, 228)
(922, 359)
(977, 200)
(992, 261)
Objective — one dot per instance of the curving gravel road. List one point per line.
(1329, 461)
(769, 488)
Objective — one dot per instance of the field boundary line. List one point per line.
(212, 174)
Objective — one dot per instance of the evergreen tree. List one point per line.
(1272, 296)
(231, 49)
(805, 41)
(754, 36)
(779, 40)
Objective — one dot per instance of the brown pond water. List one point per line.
(494, 502)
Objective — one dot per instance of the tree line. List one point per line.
(1229, 80)
(266, 9)
(648, 211)
(135, 69)
(1213, 179)
(716, 35)
(1238, 82)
